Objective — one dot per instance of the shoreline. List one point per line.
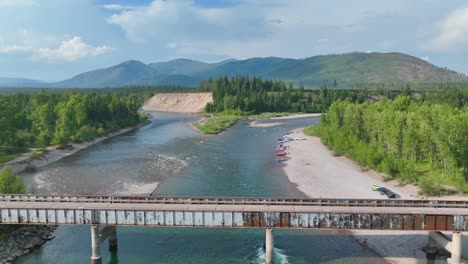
(296, 116)
(19, 164)
(41, 234)
(319, 174)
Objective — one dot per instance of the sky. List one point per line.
(53, 40)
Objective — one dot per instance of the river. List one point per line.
(239, 162)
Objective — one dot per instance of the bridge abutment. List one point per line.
(269, 246)
(95, 245)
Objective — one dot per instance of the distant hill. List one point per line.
(356, 67)
(346, 69)
(19, 82)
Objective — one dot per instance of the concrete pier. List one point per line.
(454, 245)
(112, 238)
(456, 248)
(95, 245)
(269, 245)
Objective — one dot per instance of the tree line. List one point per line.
(416, 141)
(44, 118)
(253, 95)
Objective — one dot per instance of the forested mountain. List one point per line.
(186, 67)
(343, 70)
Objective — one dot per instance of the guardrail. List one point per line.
(235, 200)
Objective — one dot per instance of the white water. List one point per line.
(280, 256)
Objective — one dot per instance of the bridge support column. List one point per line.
(456, 248)
(269, 245)
(112, 238)
(95, 245)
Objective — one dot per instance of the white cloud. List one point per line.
(184, 21)
(32, 46)
(70, 50)
(16, 2)
(426, 58)
(453, 32)
(14, 49)
(255, 28)
(117, 7)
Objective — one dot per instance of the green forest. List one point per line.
(44, 118)
(421, 141)
(244, 95)
(252, 95)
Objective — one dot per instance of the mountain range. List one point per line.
(347, 69)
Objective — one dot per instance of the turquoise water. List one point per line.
(240, 162)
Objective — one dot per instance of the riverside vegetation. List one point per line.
(44, 118)
(423, 141)
(243, 97)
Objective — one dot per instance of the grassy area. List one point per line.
(216, 123)
(38, 153)
(311, 130)
(7, 155)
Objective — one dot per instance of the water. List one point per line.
(240, 162)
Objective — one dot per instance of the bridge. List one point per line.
(237, 212)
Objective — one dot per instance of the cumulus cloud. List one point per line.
(426, 58)
(452, 32)
(31, 46)
(257, 28)
(183, 21)
(70, 50)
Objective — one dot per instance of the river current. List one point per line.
(239, 162)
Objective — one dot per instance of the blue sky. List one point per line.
(56, 39)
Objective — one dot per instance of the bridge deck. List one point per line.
(233, 208)
(235, 212)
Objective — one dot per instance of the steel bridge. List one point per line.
(236, 212)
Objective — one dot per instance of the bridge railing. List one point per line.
(235, 200)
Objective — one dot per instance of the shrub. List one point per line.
(10, 183)
(38, 153)
(30, 168)
(430, 186)
(86, 133)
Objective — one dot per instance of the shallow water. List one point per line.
(240, 162)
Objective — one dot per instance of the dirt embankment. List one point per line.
(178, 102)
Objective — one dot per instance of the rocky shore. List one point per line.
(22, 240)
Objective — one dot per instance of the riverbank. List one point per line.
(25, 239)
(22, 240)
(318, 173)
(218, 123)
(54, 153)
(178, 102)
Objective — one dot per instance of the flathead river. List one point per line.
(239, 162)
